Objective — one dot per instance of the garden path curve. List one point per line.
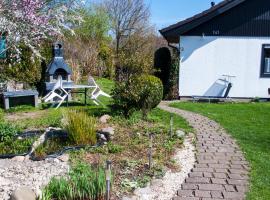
(220, 171)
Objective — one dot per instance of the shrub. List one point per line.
(81, 128)
(82, 182)
(122, 99)
(140, 93)
(7, 131)
(147, 92)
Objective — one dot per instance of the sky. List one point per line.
(168, 12)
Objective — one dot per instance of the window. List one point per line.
(265, 68)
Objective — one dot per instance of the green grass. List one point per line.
(249, 124)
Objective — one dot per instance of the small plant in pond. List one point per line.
(7, 131)
(82, 182)
(16, 146)
(81, 128)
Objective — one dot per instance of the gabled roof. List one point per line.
(172, 33)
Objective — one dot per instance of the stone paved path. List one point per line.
(221, 171)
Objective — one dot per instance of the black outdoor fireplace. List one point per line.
(57, 67)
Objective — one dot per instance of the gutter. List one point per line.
(174, 47)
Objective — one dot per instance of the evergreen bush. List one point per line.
(139, 93)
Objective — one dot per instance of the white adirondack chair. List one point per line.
(57, 92)
(96, 91)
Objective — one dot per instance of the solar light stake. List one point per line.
(150, 150)
(171, 125)
(108, 178)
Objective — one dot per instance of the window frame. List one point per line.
(263, 74)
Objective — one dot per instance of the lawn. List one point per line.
(249, 124)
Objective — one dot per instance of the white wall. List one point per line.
(205, 59)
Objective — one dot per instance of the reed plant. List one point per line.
(83, 182)
(81, 127)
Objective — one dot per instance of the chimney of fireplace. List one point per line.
(58, 50)
(213, 4)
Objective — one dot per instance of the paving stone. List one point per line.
(197, 180)
(236, 166)
(238, 176)
(199, 193)
(238, 171)
(201, 165)
(185, 193)
(220, 175)
(186, 198)
(214, 187)
(196, 174)
(239, 162)
(237, 182)
(240, 188)
(221, 170)
(207, 174)
(203, 161)
(216, 194)
(219, 166)
(218, 181)
(188, 186)
(229, 188)
(233, 195)
(203, 170)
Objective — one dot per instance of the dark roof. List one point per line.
(172, 33)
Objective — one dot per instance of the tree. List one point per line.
(88, 50)
(29, 22)
(137, 55)
(127, 18)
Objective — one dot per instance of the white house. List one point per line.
(230, 38)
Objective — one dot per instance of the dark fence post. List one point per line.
(171, 125)
(150, 150)
(108, 178)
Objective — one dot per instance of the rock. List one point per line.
(109, 130)
(18, 158)
(180, 134)
(104, 119)
(64, 157)
(23, 193)
(102, 137)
